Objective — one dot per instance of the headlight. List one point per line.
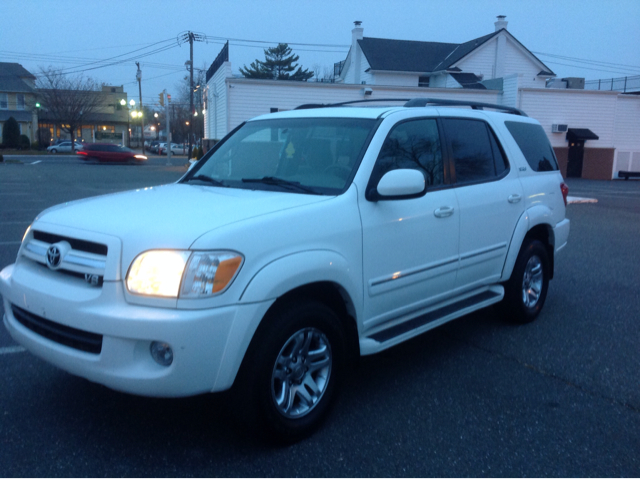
(202, 274)
(26, 233)
(157, 273)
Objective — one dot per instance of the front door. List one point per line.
(574, 163)
(410, 246)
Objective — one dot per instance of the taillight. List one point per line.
(80, 152)
(565, 192)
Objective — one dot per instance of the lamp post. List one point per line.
(123, 102)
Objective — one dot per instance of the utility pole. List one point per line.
(139, 78)
(191, 37)
(167, 115)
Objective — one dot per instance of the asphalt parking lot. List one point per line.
(476, 397)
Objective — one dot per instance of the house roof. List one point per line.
(424, 57)
(11, 75)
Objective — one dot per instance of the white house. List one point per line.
(594, 133)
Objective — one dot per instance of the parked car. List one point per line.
(64, 147)
(301, 241)
(176, 149)
(153, 146)
(110, 153)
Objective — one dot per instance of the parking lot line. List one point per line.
(12, 350)
(7, 243)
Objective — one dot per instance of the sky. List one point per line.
(594, 39)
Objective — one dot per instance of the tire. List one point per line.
(54, 151)
(291, 373)
(526, 290)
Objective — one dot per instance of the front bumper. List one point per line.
(208, 344)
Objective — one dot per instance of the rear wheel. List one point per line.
(526, 290)
(292, 370)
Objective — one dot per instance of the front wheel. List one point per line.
(291, 373)
(526, 290)
(54, 151)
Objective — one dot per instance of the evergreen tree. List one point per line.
(279, 64)
(11, 133)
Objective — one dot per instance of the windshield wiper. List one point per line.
(208, 179)
(273, 180)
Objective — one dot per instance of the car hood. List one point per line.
(169, 216)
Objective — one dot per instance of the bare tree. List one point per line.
(68, 100)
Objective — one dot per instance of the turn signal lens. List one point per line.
(209, 273)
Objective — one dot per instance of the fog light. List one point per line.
(161, 353)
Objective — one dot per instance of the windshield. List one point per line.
(297, 155)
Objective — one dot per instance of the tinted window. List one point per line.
(470, 143)
(413, 145)
(534, 144)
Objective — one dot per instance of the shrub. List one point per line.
(24, 143)
(199, 153)
(11, 133)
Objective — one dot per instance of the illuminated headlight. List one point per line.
(140, 157)
(201, 273)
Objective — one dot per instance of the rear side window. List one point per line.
(534, 145)
(474, 149)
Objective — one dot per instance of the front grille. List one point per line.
(76, 244)
(71, 337)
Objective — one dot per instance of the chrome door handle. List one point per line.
(443, 212)
(514, 198)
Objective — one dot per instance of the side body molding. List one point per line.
(534, 216)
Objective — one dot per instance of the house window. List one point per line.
(4, 101)
(423, 82)
(19, 101)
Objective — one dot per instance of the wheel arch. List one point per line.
(535, 223)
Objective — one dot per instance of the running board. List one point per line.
(390, 336)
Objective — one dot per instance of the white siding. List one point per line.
(250, 98)
(627, 125)
(510, 85)
(216, 125)
(518, 61)
(395, 79)
(595, 110)
(481, 61)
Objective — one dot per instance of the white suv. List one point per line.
(302, 240)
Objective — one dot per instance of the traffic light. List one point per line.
(37, 104)
(168, 98)
(161, 99)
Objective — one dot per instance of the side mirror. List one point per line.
(401, 184)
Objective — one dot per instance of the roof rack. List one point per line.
(420, 102)
(330, 105)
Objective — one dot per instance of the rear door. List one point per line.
(490, 199)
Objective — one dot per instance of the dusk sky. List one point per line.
(595, 39)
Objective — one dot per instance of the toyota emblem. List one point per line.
(54, 257)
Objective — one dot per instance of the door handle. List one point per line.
(514, 198)
(443, 212)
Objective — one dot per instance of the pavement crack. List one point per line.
(546, 373)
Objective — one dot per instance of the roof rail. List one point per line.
(330, 105)
(420, 102)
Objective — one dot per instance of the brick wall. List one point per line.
(597, 163)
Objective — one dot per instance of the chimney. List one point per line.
(356, 53)
(501, 23)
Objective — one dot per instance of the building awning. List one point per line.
(581, 134)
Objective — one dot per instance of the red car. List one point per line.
(109, 152)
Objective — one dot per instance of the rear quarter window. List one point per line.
(534, 145)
